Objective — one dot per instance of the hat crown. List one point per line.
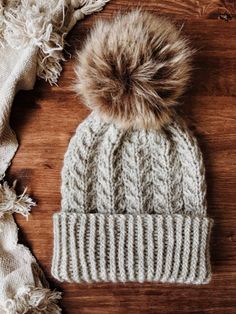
(111, 170)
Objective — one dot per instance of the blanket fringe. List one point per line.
(44, 24)
(32, 300)
(91, 6)
(10, 202)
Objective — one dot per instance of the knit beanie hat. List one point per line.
(133, 186)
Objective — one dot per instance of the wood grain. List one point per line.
(45, 119)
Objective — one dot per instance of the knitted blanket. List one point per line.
(32, 38)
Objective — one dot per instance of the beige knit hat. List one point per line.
(133, 189)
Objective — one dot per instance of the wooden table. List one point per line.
(46, 118)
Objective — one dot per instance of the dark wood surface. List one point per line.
(46, 118)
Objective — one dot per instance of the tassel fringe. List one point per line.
(44, 24)
(91, 6)
(32, 300)
(10, 202)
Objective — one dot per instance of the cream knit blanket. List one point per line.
(32, 38)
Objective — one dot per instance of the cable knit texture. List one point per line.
(133, 207)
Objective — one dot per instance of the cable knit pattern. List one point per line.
(105, 171)
(133, 207)
(194, 185)
(159, 147)
(130, 174)
(144, 165)
(74, 173)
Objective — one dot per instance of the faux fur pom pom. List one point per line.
(133, 69)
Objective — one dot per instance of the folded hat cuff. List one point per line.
(120, 248)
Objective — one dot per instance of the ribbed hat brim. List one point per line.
(120, 248)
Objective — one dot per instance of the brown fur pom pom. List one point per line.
(133, 69)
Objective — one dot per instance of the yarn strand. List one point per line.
(10, 202)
